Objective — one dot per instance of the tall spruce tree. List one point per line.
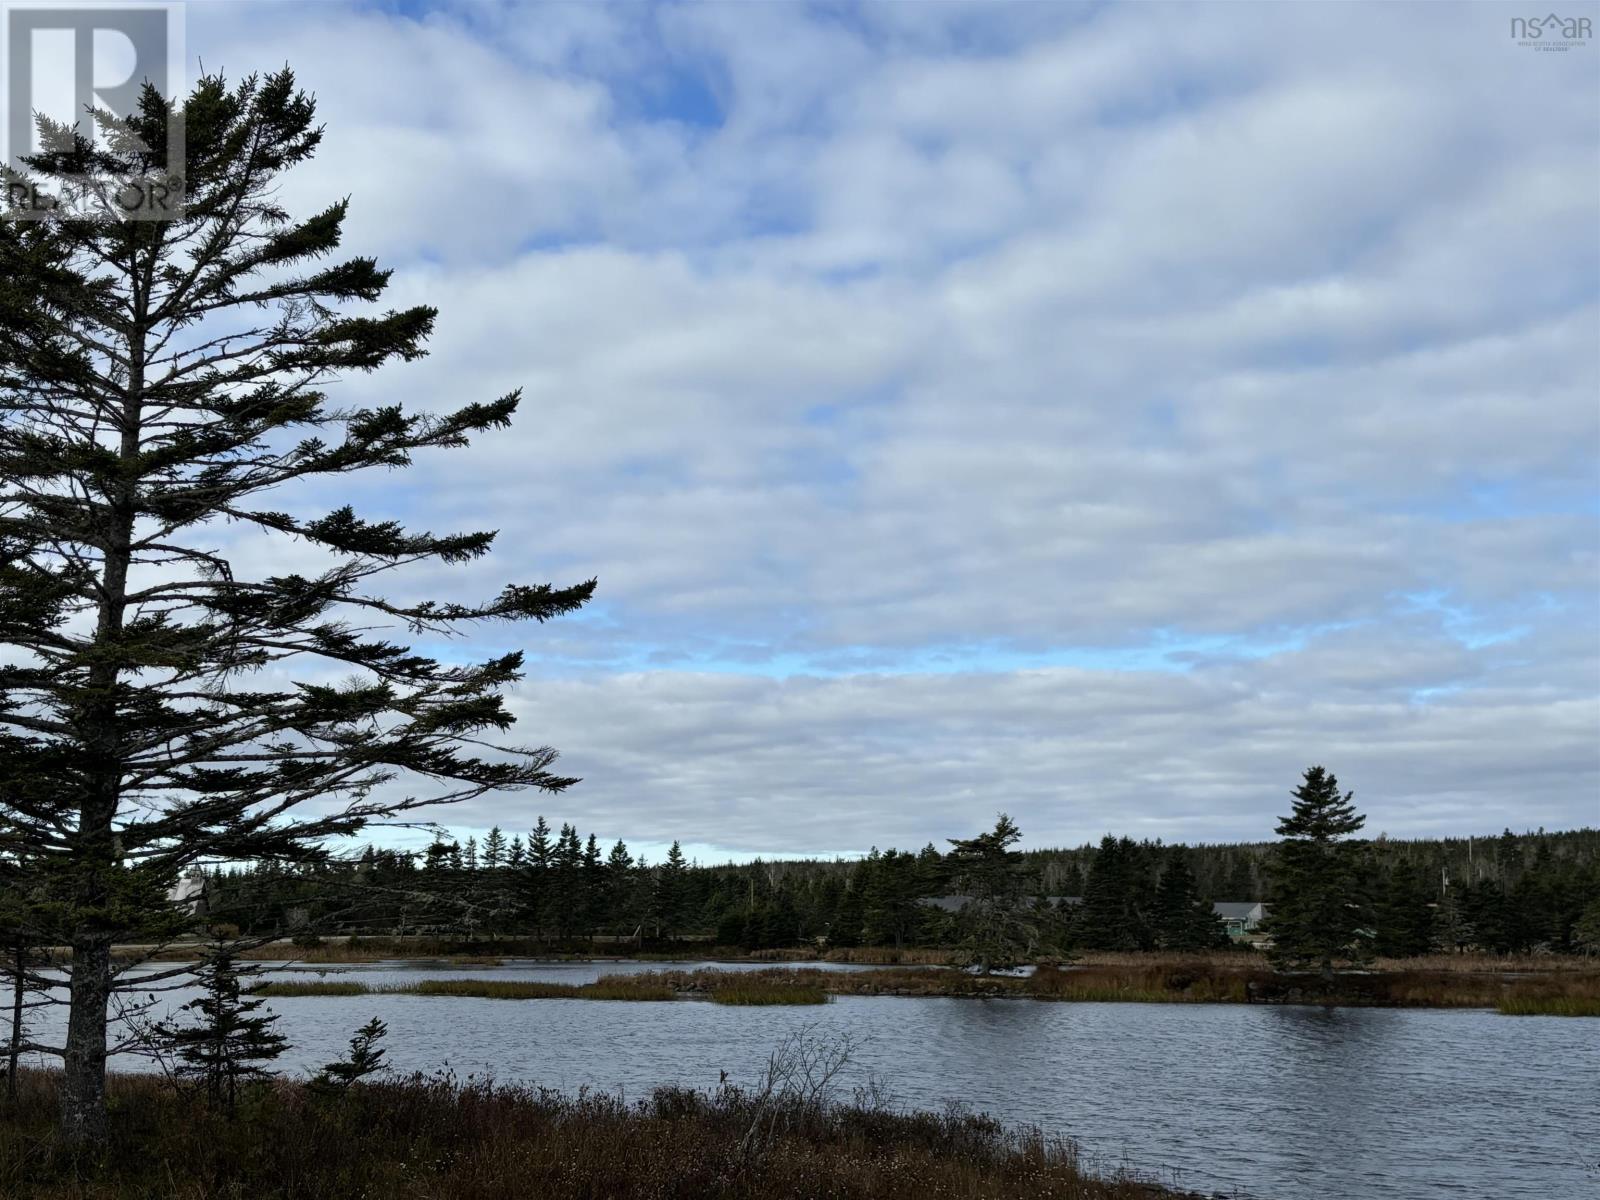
(1404, 914)
(668, 900)
(1183, 919)
(997, 926)
(1319, 912)
(158, 380)
(618, 889)
(494, 849)
(1115, 913)
(566, 882)
(537, 872)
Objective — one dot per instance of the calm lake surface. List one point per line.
(1268, 1102)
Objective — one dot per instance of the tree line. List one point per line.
(557, 885)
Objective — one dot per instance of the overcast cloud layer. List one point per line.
(1094, 413)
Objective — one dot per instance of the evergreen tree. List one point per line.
(1183, 919)
(593, 873)
(667, 905)
(850, 918)
(469, 856)
(25, 921)
(825, 898)
(1115, 913)
(1241, 883)
(494, 849)
(932, 876)
(157, 380)
(732, 928)
(619, 889)
(231, 1038)
(1586, 931)
(364, 1058)
(540, 850)
(540, 867)
(437, 857)
(516, 856)
(1318, 912)
(1404, 915)
(892, 898)
(566, 882)
(1448, 931)
(996, 925)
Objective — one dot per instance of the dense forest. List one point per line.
(1511, 893)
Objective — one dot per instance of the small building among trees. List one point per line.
(1240, 917)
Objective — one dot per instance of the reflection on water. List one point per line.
(1285, 1103)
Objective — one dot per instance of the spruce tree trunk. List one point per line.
(83, 1087)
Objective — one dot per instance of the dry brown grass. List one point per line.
(1191, 979)
(910, 956)
(1478, 964)
(314, 987)
(423, 1139)
(1187, 979)
(758, 993)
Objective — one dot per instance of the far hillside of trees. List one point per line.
(1514, 893)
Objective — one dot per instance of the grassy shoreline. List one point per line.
(358, 949)
(1196, 981)
(439, 1139)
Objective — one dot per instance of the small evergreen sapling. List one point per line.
(365, 1058)
(232, 1038)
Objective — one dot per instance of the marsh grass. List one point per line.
(437, 1139)
(313, 987)
(1198, 979)
(1550, 1006)
(1156, 984)
(723, 987)
(893, 956)
(1478, 964)
(1227, 979)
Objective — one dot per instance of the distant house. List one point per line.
(1240, 917)
(191, 892)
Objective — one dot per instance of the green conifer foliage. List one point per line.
(997, 925)
(231, 1038)
(364, 1058)
(166, 388)
(1183, 919)
(1319, 912)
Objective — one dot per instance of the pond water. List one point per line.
(1272, 1102)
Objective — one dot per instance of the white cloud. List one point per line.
(1021, 330)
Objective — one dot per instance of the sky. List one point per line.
(1098, 413)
